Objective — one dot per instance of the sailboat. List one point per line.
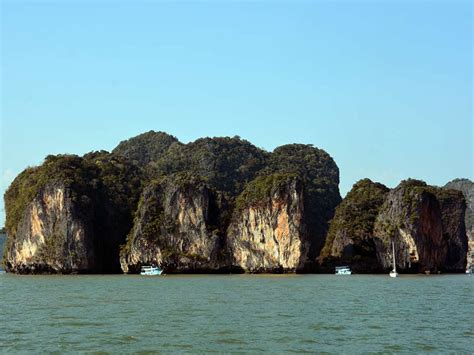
(394, 272)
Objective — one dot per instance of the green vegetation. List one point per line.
(411, 187)
(312, 164)
(225, 164)
(355, 216)
(262, 188)
(145, 148)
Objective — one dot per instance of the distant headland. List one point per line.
(220, 205)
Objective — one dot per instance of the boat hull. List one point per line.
(151, 271)
(343, 270)
(155, 273)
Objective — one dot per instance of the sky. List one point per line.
(385, 87)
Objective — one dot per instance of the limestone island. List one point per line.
(222, 205)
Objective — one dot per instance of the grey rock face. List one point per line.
(466, 186)
(270, 236)
(453, 207)
(51, 236)
(173, 229)
(411, 219)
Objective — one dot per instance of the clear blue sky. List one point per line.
(384, 86)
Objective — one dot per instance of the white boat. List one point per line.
(343, 270)
(394, 272)
(151, 270)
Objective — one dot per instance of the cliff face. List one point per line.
(70, 214)
(466, 186)
(411, 219)
(453, 207)
(51, 236)
(269, 235)
(320, 176)
(173, 229)
(350, 238)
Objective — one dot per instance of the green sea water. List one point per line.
(237, 313)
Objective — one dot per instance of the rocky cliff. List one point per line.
(174, 228)
(70, 215)
(425, 223)
(52, 235)
(411, 218)
(268, 233)
(350, 238)
(453, 207)
(466, 186)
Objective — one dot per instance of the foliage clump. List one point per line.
(262, 188)
(355, 217)
(146, 147)
(225, 163)
(316, 169)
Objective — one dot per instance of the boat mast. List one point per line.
(394, 263)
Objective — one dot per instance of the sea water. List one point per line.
(237, 313)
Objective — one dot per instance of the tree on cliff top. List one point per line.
(227, 164)
(317, 170)
(146, 147)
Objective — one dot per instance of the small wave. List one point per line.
(327, 327)
(231, 341)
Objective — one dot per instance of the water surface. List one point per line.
(235, 313)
